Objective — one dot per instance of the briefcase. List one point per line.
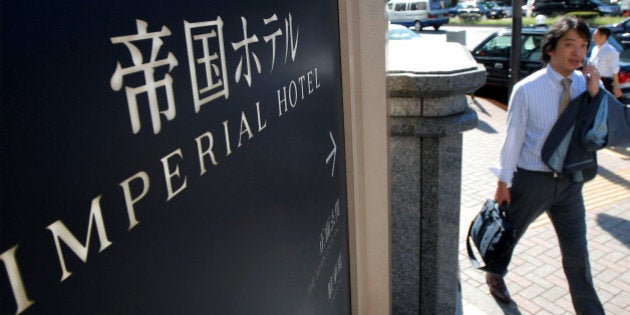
(493, 236)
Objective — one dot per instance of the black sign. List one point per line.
(172, 157)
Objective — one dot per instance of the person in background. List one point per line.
(525, 182)
(606, 59)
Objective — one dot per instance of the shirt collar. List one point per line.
(557, 77)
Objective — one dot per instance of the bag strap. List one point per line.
(471, 255)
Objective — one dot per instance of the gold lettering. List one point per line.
(260, 127)
(15, 278)
(60, 231)
(128, 199)
(168, 175)
(227, 138)
(244, 129)
(201, 152)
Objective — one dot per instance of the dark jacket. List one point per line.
(587, 125)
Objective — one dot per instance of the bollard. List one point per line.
(428, 113)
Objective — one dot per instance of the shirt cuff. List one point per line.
(503, 175)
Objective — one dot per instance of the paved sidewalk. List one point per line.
(536, 280)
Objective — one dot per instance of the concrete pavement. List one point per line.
(536, 280)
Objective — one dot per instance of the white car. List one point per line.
(399, 32)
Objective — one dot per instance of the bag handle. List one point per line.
(471, 255)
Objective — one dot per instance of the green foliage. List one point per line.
(589, 17)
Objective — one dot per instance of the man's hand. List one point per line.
(502, 194)
(592, 77)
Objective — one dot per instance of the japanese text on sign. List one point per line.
(207, 64)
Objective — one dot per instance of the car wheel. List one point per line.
(436, 27)
(418, 26)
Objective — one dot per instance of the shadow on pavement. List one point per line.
(509, 309)
(478, 105)
(481, 124)
(431, 30)
(612, 177)
(617, 227)
(485, 127)
(623, 150)
(498, 94)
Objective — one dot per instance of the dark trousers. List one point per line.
(532, 194)
(608, 84)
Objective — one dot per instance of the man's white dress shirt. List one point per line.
(605, 59)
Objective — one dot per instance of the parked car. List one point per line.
(494, 53)
(417, 13)
(472, 8)
(499, 10)
(452, 11)
(621, 31)
(398, 32)
(560, 7)
(621, 27)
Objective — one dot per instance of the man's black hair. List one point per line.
(604, 31)
(558, 29)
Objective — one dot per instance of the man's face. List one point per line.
(569, 53)
(598, 39)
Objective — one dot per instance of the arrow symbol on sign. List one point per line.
(332, 155)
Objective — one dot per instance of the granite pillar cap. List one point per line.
(419, 69)
(427, 57)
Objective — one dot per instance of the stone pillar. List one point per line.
(428, 113)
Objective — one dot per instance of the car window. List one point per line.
(400, 6)
(531, 47)
(498, 46)
(437, 4)
(528, 43)
(418, 6)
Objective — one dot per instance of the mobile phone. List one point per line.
(585, 63)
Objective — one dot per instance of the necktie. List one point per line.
(566, 95)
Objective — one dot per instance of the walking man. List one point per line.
(606, 59)
(525, 182)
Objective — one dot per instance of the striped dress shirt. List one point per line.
(532, 112)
